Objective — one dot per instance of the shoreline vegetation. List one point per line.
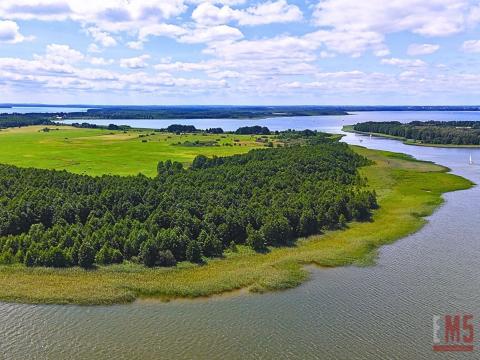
(180, 113)
(407, 191)
(448, 134)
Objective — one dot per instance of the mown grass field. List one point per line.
(407, 191)
(96, 152)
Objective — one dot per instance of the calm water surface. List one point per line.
(325, 123)
(380, 312)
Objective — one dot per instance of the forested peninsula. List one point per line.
(263, 198)
(448, 133)
(249, 215)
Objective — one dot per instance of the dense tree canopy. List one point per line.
(429, 132)
(266, 197)
(181, 128)
(253, 130)
(86, 125)
(19, 120)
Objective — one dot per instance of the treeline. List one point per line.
(203, 112)
(176, 128)
(253, 130)
(245, 130)
(20, 120)
(266, 197)
(94, 126)
(9, 120)
(430, 132)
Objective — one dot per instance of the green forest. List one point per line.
(19, 120)
(429, 132)
(267, 197)
(185, 112)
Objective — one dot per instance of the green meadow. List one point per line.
(408, 191)
(97, 151)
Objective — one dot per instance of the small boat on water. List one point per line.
(470, 161)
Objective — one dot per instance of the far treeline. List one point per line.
(428, 132)
(203, 112)
(10, 121)
(193, 112)
(267, 197)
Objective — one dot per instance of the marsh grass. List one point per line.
(408, 190)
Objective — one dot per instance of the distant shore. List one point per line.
(350, 129)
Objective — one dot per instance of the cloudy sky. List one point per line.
(240, 51)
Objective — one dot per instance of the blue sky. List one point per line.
(240, 52)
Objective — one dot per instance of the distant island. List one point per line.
(161, 112)
(428, 133)
(190, 112)
(210, 112)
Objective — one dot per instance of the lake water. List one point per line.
(380, 312)
(324, 123)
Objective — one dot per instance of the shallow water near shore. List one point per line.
(379, 312)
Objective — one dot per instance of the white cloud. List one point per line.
(404, 63)
(209, 14)
(61, 54)
(44, 73)
(282, 47)
(183, 66)
(136, 45)
(471, 46)
(428, 18)
(346, 42)
(167, 30)
(100, 61)
(373, 19)
(346, 82)
(10, 33)
(226, 57)
(102, 37)
(220, 33)
(422, 49)
(264, 13)
(107, 15)
(138, 62)
(94, 48)
(219, 2)
(271, 12)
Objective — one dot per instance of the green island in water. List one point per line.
(462, 134)
(210, 212)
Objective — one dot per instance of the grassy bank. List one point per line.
(349, 128)
(100, 151)
(407, 191)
